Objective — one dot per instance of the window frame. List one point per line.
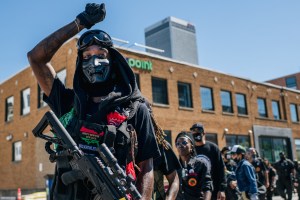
(164, 100)
(25, 109)
(187, 97)
(259, 108)
(7, 117)
(17, 154)
(205, 97)
(245, 103)
(222, 93)
(278, 109)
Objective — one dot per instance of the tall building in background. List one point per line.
(176, 37)
(289, 81)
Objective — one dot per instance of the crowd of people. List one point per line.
(233, 173)
(105, 100)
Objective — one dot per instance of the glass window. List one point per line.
(262, 108)
(159, 91)
(25, 101)
(270, 147)
(243, 140)
(9, 109)
(62, 75)
(17, 151)
(184, 95)
(226, 102)
(241, 104)
(41, 103)
(168, 136)
(291, 82)
(294, 113)
(297, 144)
(207, 102)
(276, 110)
(212, 137)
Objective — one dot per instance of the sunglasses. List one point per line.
(94, 37)
(183, 143)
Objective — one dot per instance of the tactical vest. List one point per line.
(115, 132)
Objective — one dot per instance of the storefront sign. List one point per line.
(140, 64)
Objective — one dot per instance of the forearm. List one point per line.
(173, 189)
(207, 195)
(44, 50)
(145, 179)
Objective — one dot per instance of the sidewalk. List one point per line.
(295, 197)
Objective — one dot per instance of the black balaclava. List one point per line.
(121, 86)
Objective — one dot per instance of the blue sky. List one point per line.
(255, 39)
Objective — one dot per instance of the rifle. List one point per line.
(108, 179)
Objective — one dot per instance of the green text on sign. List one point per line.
(140, 64)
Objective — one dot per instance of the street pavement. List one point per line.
(295, 197)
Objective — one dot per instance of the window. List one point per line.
(9, 109)
(276, 110)
(17, 151)
(207, 102)
(291, 82)
(184, 95)
(270, 147)
(41, 103)
(262, 108)
(62, 75)
(297, 143)
(243, 140)
(294, 113)
(159, 91)
(212, 137)
(226, 102)
(25, 101)
(137, 78)
(168, 136)
(241, 104)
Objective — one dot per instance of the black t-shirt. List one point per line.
(61, 101)
(167, 162)
(211, 155)
(195, 179)
(284, 169)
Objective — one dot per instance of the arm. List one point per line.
(173, 189)
(249, 172)
(40, 56)
(145, 179)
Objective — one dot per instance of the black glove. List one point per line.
(93, 14)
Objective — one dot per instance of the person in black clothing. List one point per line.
(286, 173)
(166, 165)
(231, 191)
(105, 104)
(272, 179)
(297, 180)
(210, 153)
(195, 179)
(262, 174)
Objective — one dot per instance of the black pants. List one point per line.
(285, 187)
(269, 194)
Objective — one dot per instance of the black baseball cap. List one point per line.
(197, 126)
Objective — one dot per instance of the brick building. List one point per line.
(233, 110)
(289, 81)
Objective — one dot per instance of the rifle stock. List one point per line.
(104, 173)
